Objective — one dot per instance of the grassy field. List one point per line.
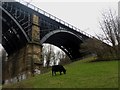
(0, 87)
(80, 74)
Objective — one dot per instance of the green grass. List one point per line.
(0, 87)
(80, 74)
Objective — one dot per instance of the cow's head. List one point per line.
(64, 71)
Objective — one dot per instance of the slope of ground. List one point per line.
(80, 74)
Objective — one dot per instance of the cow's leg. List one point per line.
(52, 73)
(55, 73)
(60, 73)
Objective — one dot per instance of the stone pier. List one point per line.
(22, 63)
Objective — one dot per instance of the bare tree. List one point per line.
(48, 54)
(59, 55)
(63, 58)
(54, 56)
(97, 48)
(110, 26)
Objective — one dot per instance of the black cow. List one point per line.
(58, 68)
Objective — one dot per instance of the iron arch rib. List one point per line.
(13, 35)
(65, 40)
(27, 38)
(55, 32)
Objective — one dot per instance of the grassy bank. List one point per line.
(80, 74)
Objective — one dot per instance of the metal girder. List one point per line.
(26, 36)
(49, 27)
(57, 31)
(13, 34)
(69, 41)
